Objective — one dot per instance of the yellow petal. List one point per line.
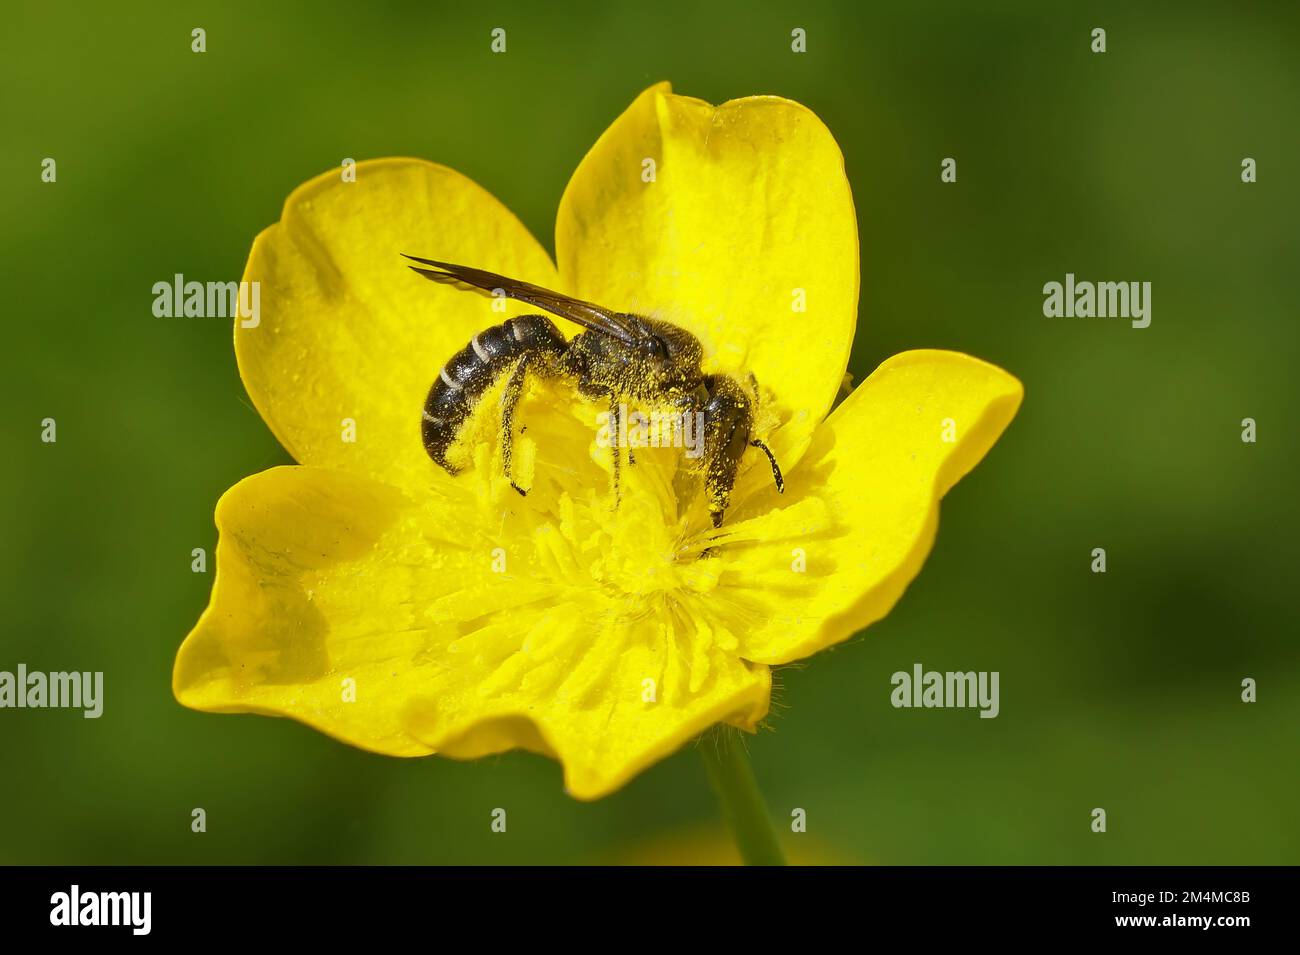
(294, 613)
(862, 507)
(606, 693)
(348, 333)
(405, 625)
(749, 216)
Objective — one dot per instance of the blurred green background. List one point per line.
(1119, 690)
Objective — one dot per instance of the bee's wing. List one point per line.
(587, 315)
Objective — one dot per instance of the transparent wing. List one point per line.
(589, 316)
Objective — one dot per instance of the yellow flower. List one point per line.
(370, 595)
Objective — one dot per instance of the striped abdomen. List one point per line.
(475, 368)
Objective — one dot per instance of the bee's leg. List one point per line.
(510, 395)
(614, 428)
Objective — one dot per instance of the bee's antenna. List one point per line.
(776, 468)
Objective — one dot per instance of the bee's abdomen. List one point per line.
(475, 368)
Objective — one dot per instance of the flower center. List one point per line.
(641, 552)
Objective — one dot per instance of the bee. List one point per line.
(617, 356)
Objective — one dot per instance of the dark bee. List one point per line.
(618, 356)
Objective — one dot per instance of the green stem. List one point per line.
(733, 780)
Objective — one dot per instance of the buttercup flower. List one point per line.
(369, 594)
